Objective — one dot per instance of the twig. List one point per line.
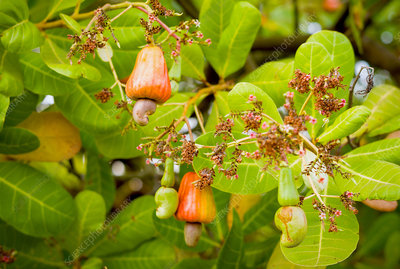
(315, 190)
(189, 129)
(351, 89)
(77, 7)
(116, 77)
(121, 13)
(305, 103)
(200, 119)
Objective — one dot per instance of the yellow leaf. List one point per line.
(242, 203)
(59, 139)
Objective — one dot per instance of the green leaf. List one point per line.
(98, 117)
(31, 252)
(261, 214)
(99, 179)
(172, 230)
(320, 247)
(341, 53)
(390, 126)
(41, 79)
(219, 225)
(118, 146)
(56, 59)
(347, 123)
(383, 101)
(373, 179)
(236, 39)
(150, 255)
(250, 178)
(239, 95)
(392, 250)
(381, 229)
(21, 37)
(278, 261)
(384, 150)
(257, 253)
(273, 79)
(11, 77)
(71, 23)
(232, 251)
(130, 227)
(93, 263)
(4, 102)
(38, 207)
(12, 12)
(17, 140)
(91, 213)
(20, 108)
(194, 263)
(165, 114)
(193, 62)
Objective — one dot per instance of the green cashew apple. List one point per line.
(168, 179)
(287, 191)
(167, 202)
(292, 221)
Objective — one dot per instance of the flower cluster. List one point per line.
(325, 102)
(348, 202)
(206, 178)
(327, 213)
(224, 128)
(104, 95)
(89, 40)
(7, 256)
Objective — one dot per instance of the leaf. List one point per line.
(250, 178)
(150, 255)
(194, 263)
(99, 179)
(257, 253)
(193, 62)
(4, 102)
(347, 123)
(12, 12)
(99, 118)
(39, 206)
(278, 261)
(320, 247)
(232, 251)
(312, 58)
(21, 37)
(373, 179)
(20, 108)
(130, 227)
(384, 150)
(71, 23)
(59, 139)
(40, 79)
(93, 263)
(56, 59)
(118, 146)
(390, 126)
(17, 140)
(273, 78)
(172, 230)
(10, 73)
(91, 213)
(341, 52)
(239, 95)
(236, 39)
(220, 226)
(378, 234)
(392, 250)
(261, 214)
(31, 252)
(383, 101)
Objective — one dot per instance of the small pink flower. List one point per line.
(174, 53)
(313, 120)
(253, 135)
(343, 101)
(147, 161)
(302, 152)
(287, 106)
(184, 136)
(248, 155)
(349, 194)
(264, 125)
(168, 154)
(322, 216)
(152, 18)
(139, 147)
(190, 42)
(257, 117)
(230, 121)
(273, 128)
(197, 23)
(321, 180)
(236, 176)
(200, 35)
(338, 213)
(187, 27)
(289, 94)
(252, 98)
(208, 41)
(287, 128)
(250, 115)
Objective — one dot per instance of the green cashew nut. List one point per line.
(168, 179)
(167, 202)
(287, 191)
(292, 221)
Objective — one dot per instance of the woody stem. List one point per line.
(306, 102)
